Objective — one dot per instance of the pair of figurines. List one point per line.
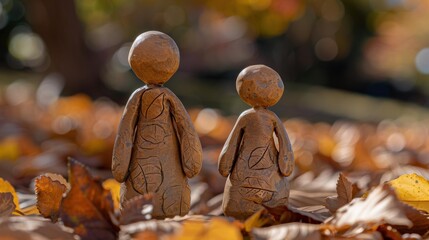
(157, 148)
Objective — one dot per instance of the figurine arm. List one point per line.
(122, 148)
(230, 149)
(190, 145)
(285, 158)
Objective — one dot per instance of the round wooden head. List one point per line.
(259, 86)
(154, 57)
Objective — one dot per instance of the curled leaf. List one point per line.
(6, 187)
(49, 194)
(381, 206)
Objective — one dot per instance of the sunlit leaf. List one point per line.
(6, 187)
(215, 229)
(412, 189)
(23, 228)
(49, 194)
(259, 219)
(381, 206)
(290, 231)
(114, 187)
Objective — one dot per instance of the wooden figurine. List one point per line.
(156, 148)
(255, 168)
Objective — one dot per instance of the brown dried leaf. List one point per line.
(29, 228)
(290, 231)
(380, 207)
(346, 192)
(49, 192)
(389, 232)
(419, 218)
(88, 208)
(299, 198)
(91, 188)
(6, 204)
(137, 209)
(148, 229)
(310, 214)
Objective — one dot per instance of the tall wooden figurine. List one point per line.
(256, 170)
(156, 148)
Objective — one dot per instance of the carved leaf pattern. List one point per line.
(260, 158)
(256, 189)
(156, 107)
(153, 133)
(191, 154)
(177, 200)
(146, 177)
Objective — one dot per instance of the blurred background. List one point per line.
(375, 48)
(64, 76)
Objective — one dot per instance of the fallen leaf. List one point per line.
(30, 228)
(91, 188)
(389, 232)
(6, 187)
(146, 229)
(215, 229)
(419, 218)
(310, 214)
(88, 208)
(6, 204)
(346, 191)
(290, 231)
(114, 187)
(259, 219)
(412, 189)
(30, 210)
(49, 194)
(380, 207)
(298, 198)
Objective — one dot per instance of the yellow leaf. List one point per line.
(30, 210)
(114, 187)
(215, 229)
(258, 219)
(5, 186)
(9, 149)
(412, 189)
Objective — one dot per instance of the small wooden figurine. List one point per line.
(255, 168)
(156, 148)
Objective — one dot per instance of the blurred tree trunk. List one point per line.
(61, 30)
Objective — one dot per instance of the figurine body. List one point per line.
(156, 148)
(256, 170)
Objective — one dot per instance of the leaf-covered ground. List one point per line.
(351, 180)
